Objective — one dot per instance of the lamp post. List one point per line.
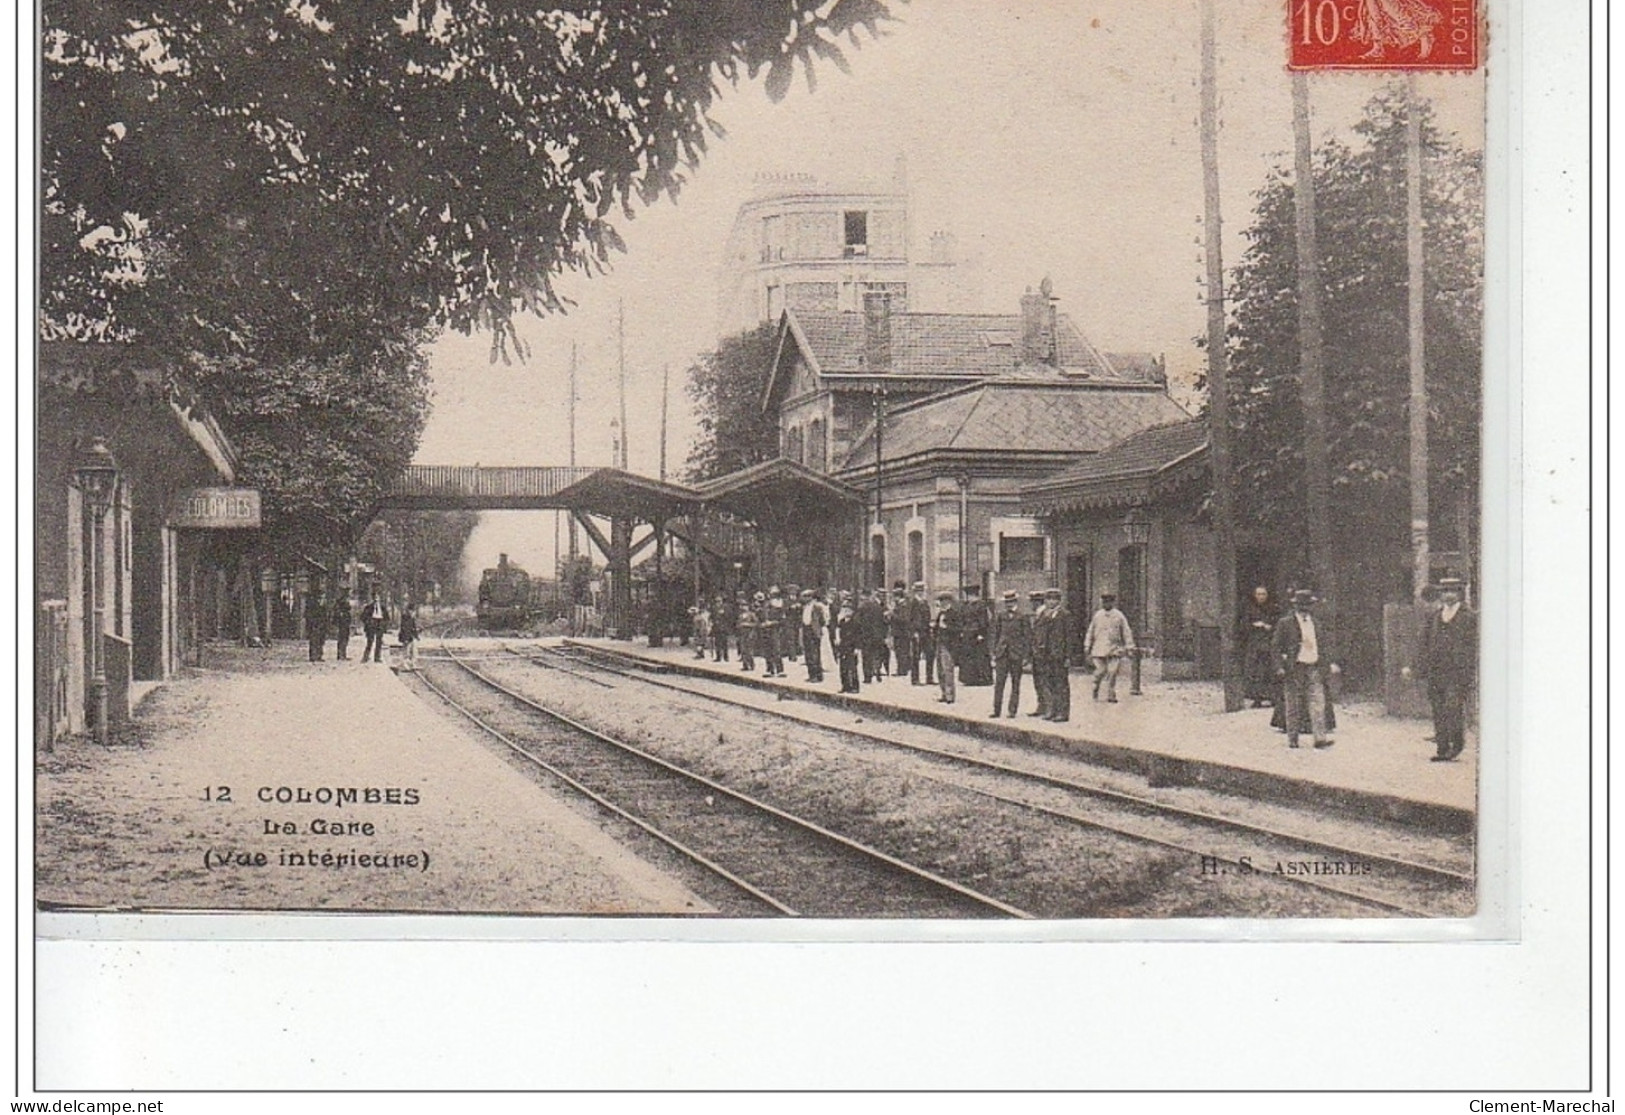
(1137, 529)
(97, 475)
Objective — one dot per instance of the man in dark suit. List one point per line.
(316, 625)
(1035, 607)
(945, 627)
(374, 623)
(1448, 661)
(899, 623)
(1011, 639)
(923, 638)
(869, 621)
(1303, 662)
(1052, 656)
(341, 624)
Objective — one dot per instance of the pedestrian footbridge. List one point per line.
(738, 521)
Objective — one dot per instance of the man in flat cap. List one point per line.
(1303, 663)
(1448, 661)
(1011, 638)
(770, 628)
(814, 619)
(1108, 640)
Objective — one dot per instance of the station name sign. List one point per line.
(216, 509)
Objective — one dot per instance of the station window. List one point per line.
(817, 448)
(1021, 555)
(857, 232)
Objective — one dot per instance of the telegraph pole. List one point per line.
(575, 545)
(1421, 574)
(620, 342)
(1218, 370)
(1312, 355)
(665, 406)
(878, 563)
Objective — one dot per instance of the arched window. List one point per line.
(916, 557)
(816, 447)
(792, 445)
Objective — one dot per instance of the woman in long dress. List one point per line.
(974, 658)
(1257, 627)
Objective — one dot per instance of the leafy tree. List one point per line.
(321, 438)
(727, 388)
(1360, 201)
(301, 180)
(414, 550)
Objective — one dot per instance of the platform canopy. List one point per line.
(779, 491)
(615, 494)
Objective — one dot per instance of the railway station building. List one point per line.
(131, 490)
(943, 420)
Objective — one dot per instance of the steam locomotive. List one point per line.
(506, 597)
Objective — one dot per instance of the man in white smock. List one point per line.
(1109, 639)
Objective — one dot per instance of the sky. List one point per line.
(1055, 138)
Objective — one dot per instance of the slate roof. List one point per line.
(1124, 471)
(931, 345)
(1014, 413)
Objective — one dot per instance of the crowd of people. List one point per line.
(951, 641)
(336, 620)
(959, 640)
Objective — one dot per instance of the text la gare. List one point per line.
(320, 827)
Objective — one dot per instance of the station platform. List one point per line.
(223, 760)
(1174, 733)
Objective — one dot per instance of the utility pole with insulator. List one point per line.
(1218, 365)
(878, 560)
(575, 545)
(620, 341)
(1312, 357)
(1415, 263)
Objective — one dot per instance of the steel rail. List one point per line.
(1427, 873)
(913, 871)
(586, 791)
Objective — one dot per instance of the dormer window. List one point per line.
(857, 232)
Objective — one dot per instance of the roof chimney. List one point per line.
(877, 330)
(1038, 325)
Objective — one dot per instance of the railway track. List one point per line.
(1386, 882)
(773, 862)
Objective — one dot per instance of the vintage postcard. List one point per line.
(519, 492)
(937, 463)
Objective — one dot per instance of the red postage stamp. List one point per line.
(1383, 34)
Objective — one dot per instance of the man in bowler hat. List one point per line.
(1011, 640)
(1303, 663)
(1448, 661)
